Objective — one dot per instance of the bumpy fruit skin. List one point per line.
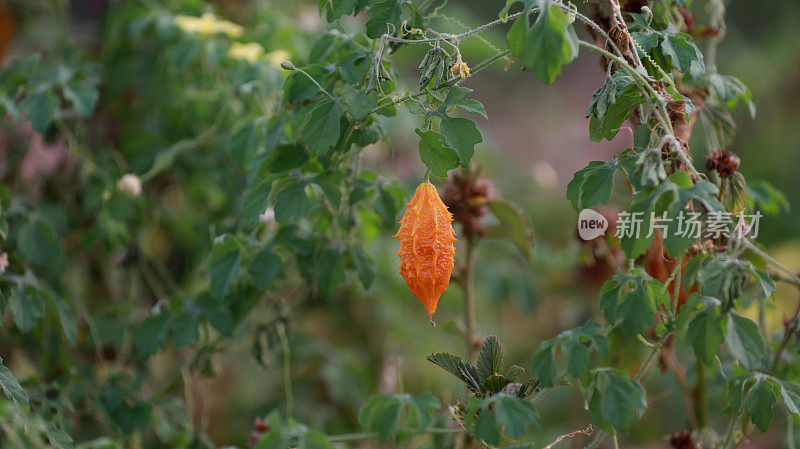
(426, 246)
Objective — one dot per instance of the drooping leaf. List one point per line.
(617, 401)
(323, 127)
(745, 342)
(514, 225)
(13, 389)
(435, 154)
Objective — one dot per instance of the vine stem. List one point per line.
(372, 435)
(468, 286)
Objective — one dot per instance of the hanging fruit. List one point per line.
(426, 246)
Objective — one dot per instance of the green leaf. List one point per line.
(611, 105)
(83, 97)
(223, 264)
(299, 88)
(626, 302)
(58, 438)
(265, 267)
(333, 9)
(706, 332)
(255, 201)
(457, 367)
(39, 108)
(26, 307)
(490, 359)
(37, 242)
(152, 334)
(433, 152)
(364, 265)
(287, 157)
(384, 17)
(388, 415)
(592, 185)
(761, 397)
(329, 271)
(457, 96)
(461, 134)
(357, 103)
(13, 389)
(681, 52)
(550, 44)
(486, 429)
(183, 328)
(618, 400)
(515, 225)
(515, 415)
(323, 127)
(66, 317)
(494, 384)
(292, 201)
(765, 197)
(790, 397)
(745, 342)
(543, 366)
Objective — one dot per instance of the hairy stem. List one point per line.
(700, 401)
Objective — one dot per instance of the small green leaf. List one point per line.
(745, 342)
(357, 103)
(433, 152)
(323, 127)
(364, 265)
(461, 134)
(329, 271)
(457, 96)
(550, 44)
(39, 108)
(265, 267)
(618, 400)
(543, 366)
(38, 243)
(490, 359)
(152, 334)
(223, 264)
(761, 397)
(13, 389)
(457, 367)
(255, 201)
(706, 332)
(292, 201)
(83, 97)
(515, 225)
(515, 415)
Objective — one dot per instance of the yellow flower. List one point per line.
(276, 57)
(461, 69)
(248, 52)
(207, 25)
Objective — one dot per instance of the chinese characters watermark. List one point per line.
(686, 224)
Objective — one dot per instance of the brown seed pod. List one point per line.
(426, 246)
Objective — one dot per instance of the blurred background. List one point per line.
(361, 343)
